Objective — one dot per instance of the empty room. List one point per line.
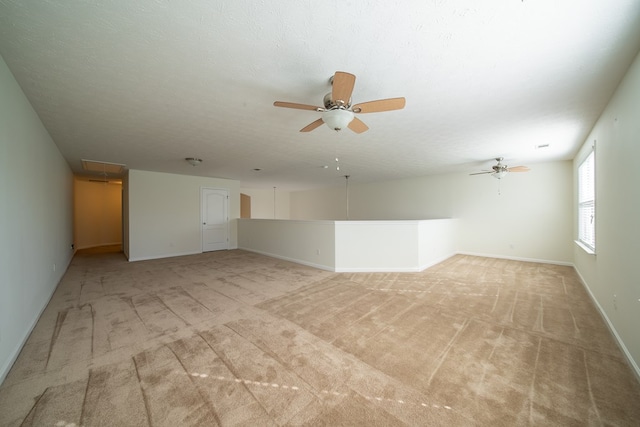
(365, 213)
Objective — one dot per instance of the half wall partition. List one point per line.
(352, 246)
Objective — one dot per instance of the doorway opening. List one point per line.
(97, 214)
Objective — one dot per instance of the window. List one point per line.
(586, 202)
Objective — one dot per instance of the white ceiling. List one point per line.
(150, 82)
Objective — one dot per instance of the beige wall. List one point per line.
(417, 198)
(262, 203)
(524, 216)
(321, 204)
(530, 218)
(613, 274)
(97, 209)
(36, 214)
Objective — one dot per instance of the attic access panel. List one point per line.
(103, 167)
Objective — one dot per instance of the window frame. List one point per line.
(587, 202)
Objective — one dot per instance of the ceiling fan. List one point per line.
(338, 112)
(500, 171)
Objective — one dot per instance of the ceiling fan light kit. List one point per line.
(338, 112)
(499, 174)
(337, 119)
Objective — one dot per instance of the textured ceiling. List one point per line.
(150, 82)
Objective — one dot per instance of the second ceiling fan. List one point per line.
(338, 112)
(500, 170)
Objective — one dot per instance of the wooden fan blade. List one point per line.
(343, 84)
(519, 169)
(358, 125)
(294, 105)
(480, 173)
(312, 126)
(379, 105)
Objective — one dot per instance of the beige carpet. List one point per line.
(234, 338)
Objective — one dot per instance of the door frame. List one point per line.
(227, 191)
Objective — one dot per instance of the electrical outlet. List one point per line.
(317, 251)
(615, 301)
(54, 266)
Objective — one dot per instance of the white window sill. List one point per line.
(584, 247)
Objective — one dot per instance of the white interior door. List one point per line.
(215, 219)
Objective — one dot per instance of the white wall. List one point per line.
(531, 218)
(615, 270)
(386, 245)
(97, 213)
(36, 214)
(377, 246)
(262, 203)
(437, 241)
(164, 213)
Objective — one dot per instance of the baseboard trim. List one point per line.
(436, 261)
(378, 270)
(284, 258)
(98, 246)
(416, 269)
(353, 270)
(523, 259)
(623, 347)
(4, 370)
(163, 256)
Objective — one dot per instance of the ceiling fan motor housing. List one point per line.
(330, 104)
